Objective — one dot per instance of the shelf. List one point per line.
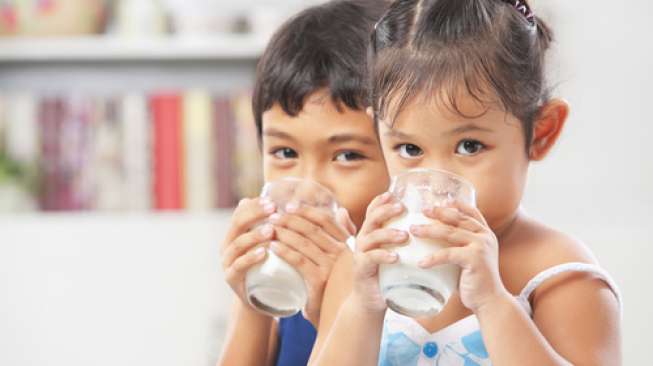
(105, 48)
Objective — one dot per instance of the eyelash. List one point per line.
(274, 152)
(477, 144)
(400, 149)
(286, 150)
(357, 156)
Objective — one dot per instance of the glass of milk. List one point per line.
(407, 288)
(273, 286)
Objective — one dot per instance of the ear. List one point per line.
(547, 127)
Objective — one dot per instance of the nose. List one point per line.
(318, 174)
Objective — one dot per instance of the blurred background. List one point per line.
(126, 136)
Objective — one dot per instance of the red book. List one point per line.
(224, 131)
(166, 118)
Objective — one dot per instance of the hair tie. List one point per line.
(524, 9)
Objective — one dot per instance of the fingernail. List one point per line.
(259, 251)
(401, 235)
(416, 229)
(269, 207)
(385, 197)
(275, 217)
(424, 263)
(266, 231)
(392, 256)
(292, 207)
(397, 207)
(275, 246)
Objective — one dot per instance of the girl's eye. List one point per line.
(285, 153)
(469, 147)
(409, 151)
(346, 156)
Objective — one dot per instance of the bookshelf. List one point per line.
(106, 48)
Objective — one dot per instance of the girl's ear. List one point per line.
(547, 127)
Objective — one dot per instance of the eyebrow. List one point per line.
(398, 134)
(347, 137)
(466, 128)
(272, 132)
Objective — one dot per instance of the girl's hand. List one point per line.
(369, 253)
(310, 239)
(474, 247)
(243, 247)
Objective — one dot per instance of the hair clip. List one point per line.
(523, 8)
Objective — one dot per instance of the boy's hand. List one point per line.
(244, 247)
(474, 247)
(310, 239)
(369, 252)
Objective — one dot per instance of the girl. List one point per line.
(459, 85)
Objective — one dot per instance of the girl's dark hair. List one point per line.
(443, 49)
(324, 46)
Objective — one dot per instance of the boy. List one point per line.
(309, 107)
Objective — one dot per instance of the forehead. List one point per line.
(320, 118)
(435, 114)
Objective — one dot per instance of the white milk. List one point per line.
(407, 288)
(276, 288)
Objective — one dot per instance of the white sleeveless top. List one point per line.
(406, 343)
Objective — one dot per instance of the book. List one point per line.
(199, 182)
(224, 141)
(168, 159)
(248, 172)
(136, 152)
(106, 164)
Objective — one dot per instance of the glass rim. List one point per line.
(457, 177)
(290, 179)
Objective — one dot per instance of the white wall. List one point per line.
(111, 289)
(142, 290)
(598, 183)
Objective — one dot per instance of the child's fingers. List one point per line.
(302, 245)
(381, 237)
(443, 232)
(381, 256)
(248, 213)
(454, 255)
(367, 264)
(244, 243)
(321, 218)
(378, 201)
(306, 267)
(237, 270)
(454, 217)
(471, 211)
(308, 230)
(379, 216)
(343, 218)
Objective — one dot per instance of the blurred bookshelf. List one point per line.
(130, 106)
(226, 47)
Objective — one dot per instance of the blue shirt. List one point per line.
(296, 339)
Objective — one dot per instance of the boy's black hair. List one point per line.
(324, 46)
(492, 50)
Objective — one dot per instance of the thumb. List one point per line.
(342, 217)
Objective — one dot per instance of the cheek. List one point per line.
(498, 198)
(355, 194)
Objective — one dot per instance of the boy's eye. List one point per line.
(469, 147)
(285, 153)
(409, 151)
(348, 156)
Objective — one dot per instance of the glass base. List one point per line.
(414, 300)
(275, 302)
